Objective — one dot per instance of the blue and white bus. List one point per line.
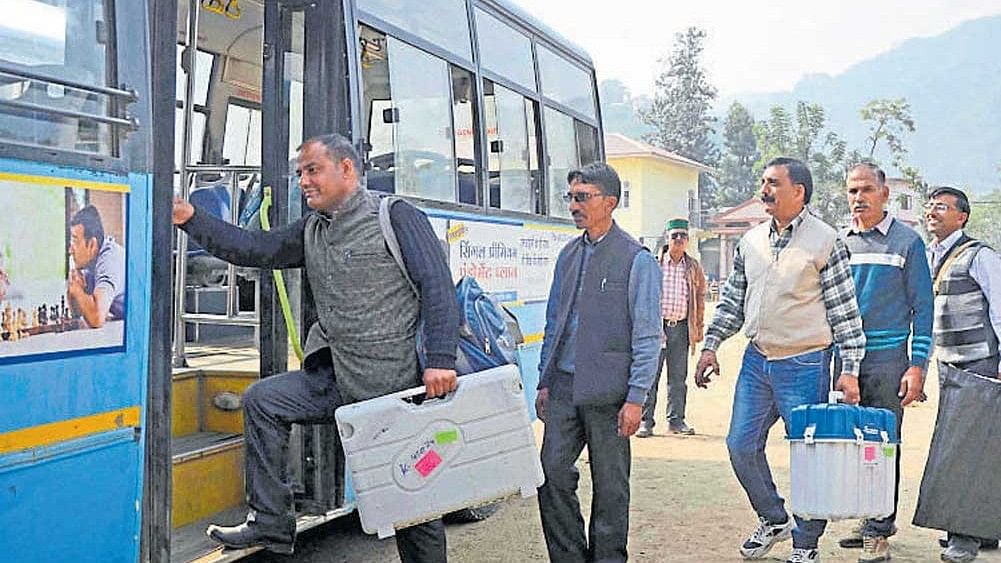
(120, 442)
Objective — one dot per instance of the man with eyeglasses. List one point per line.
(682, 302)
(791, 289)
(961, 487)
(598, 359)
(893, 287)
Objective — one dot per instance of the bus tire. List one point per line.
(476, 514)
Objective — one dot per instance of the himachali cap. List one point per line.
(677, 225)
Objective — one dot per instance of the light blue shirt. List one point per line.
(644, 305)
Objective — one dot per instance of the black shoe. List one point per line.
(985, 544)
(251, 533)
(683, 429)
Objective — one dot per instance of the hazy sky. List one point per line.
(753, 45)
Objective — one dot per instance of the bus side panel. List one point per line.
(532, 320)
(65, 490)
(77, 504)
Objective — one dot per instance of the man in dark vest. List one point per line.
(957, 488)
(363, 344)
(598, 360)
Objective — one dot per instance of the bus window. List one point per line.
(510, 182)
(504, 50)
(565, 82)
(203, 72)
(534, 150)
(587, 142)
(412, 140)
(242, 138)
(561, 145)
(43, 37)
(463, 112)
(441, 22)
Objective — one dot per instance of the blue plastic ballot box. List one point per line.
(412, 462)
(843, 460)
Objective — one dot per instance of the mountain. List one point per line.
(953, 83)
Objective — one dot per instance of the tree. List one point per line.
(985, 216)
(681, 112)
(737, 174)
(620, 110)
(888, 121)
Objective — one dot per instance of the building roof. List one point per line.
(739, 218)
(618, 145)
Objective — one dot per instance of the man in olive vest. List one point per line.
(791, 289)
(363, 344)
(961, 474)
(599, 354)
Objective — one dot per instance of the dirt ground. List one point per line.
(686, 506)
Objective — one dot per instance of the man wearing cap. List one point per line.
(961, 487)
(682, 302)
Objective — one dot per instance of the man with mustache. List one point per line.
(893, 287)
(791, 289)
(599, 354)
(363, 344)
(959, 490)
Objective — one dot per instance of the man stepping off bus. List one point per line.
(791, 289)
(893, 288)
(363, 344)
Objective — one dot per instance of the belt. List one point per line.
(673, 323)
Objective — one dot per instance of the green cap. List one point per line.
(677, 224)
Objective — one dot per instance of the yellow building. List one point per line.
(657, 185)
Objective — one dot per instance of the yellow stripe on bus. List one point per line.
(64, 182)
(54, 432)
(533, 338)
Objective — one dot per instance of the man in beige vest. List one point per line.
(791, 289)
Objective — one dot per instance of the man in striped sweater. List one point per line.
(894, 292)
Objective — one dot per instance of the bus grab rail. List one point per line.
(129, 94)
(131, 123)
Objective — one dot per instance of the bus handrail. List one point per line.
(127, 93)
(131, 124)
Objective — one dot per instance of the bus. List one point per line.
(125, 439)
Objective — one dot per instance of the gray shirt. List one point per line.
(107, 273)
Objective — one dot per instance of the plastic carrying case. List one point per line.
(410, 463)
(843, 460)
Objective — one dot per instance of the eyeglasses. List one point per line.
(678, 236)
(580, 197)
(937, 206)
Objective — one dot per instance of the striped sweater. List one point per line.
(894, 291)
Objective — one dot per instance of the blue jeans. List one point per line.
(767, 390)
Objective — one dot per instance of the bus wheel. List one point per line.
(467, 515)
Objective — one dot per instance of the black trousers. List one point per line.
(568, 429)
(673, 356)
(270, 407)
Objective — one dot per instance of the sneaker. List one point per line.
(962, 549)
(644, 431)
(854, 538)
(764, 538)
(874, 548)
(683, 429)
(985, 544)
(804, 556)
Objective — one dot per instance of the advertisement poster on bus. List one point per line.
(514, 262)
(62, 267)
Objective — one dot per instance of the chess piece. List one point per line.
(22, 323)
(6, 322)
(34, 318)
(43, 314)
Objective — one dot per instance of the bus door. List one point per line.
(75, 278)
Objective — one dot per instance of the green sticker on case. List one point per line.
(889, 451)
(446, 437)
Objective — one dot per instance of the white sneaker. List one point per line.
(804, 556)
(764, 538)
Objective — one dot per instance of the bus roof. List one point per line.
(540, 28)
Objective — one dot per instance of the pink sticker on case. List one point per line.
(427, 463)
(870, 453)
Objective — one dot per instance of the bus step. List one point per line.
(207, 475)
